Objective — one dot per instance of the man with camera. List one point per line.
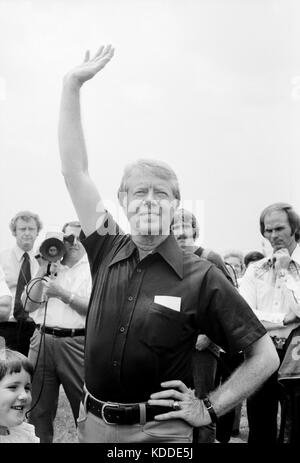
(58, 299)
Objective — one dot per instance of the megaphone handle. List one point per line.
(48, 269)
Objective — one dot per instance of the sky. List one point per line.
(210, 87)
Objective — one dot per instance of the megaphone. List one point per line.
(52, 248)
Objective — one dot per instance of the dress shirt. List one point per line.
(4, 289)
(76, 279)
(11, 261)
(144, 316)
(268, 293)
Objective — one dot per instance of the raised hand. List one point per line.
(282, 259)
(91, 66)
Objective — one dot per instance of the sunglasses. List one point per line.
(71, 239)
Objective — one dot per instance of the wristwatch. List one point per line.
(210, 409)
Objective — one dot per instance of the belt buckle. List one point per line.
(107, 404)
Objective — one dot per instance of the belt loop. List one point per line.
(72, 332)
(142, 408)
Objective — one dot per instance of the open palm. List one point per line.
(91, 66)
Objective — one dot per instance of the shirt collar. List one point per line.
(19, 253)
(168, 249)
(125, 252)
(296, 254)
(172, 254)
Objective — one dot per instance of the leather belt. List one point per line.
(114, 413)
(61, 332)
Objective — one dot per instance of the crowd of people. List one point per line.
(153, 338)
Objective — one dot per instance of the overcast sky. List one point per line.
(211, 87)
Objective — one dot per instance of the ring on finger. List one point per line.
(176, 405)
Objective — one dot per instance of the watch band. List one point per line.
(210, 409)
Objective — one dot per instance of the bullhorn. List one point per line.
(52, 248)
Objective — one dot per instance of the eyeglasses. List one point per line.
(71, 239)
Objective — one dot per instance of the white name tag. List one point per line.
(172, 302)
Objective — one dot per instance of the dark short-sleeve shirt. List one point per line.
(215, 259)
(144, 316)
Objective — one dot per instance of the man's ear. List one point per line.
(123, 199)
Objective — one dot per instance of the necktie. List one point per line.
(23, 279)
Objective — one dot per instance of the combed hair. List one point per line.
(158, 168)
(12, 361)
(293, 217)
(26, 216)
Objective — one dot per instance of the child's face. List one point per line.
(15, 398)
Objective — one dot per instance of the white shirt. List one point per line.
(23, 433)
(76, 279)
(11, 261)
(269, 294)
(4, 289)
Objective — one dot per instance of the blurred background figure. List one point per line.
(185, 228)
(235, 259)
(5, 298)
(252, 256)
(19, 265)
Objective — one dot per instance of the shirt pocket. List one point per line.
(164, 328)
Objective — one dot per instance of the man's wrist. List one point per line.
(71, 82)
(210, 409)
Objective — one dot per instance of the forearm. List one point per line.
(77, 303)
(71, 139)
(5, 307)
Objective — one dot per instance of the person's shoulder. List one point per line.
(6, 253)
(191, 258)
(214, 257)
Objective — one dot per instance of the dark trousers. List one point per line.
(262, 409)
(204, 373)
(227, 364)
(17, 335)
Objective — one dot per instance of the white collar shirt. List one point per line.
(76, 279)
(11, 261)
(4, 289)
(269, 293)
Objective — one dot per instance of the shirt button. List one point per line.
(130, 298)
(115, 363)
(122, 329)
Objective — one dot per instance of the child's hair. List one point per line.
(12, 361)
